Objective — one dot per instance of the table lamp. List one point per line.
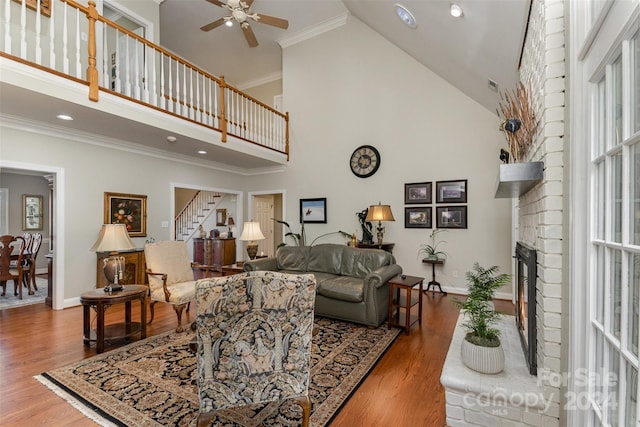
(379, 213)
(251, 232)
(113, 238)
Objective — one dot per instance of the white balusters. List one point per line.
(78, 64)
(52, 37)
(38, 35)
(23, 30)
(65, 40)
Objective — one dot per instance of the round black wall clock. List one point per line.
(364, 161)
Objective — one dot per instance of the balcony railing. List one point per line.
(65, 38)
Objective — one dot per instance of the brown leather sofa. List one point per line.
(352, 283)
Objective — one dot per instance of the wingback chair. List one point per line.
(254, 335)
(170, 276)
(14, 272)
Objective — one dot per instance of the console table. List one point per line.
(100, 301)
(433, 281)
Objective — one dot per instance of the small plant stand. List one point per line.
(433, 281)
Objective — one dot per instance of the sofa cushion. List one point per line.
(292, 258)
(325, 258)
(342, 288)
(360, 262)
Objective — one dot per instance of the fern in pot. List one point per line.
(481, 348)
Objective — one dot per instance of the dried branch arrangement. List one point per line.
(518, 120)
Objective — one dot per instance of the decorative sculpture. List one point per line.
(367, 235)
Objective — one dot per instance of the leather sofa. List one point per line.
(352, 283)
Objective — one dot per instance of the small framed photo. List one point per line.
(127, 209)
(451, 191)
(31, 212)
(417, 217)
(313, 210)
(417, 193)
(451, 217)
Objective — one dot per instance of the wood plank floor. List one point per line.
(402, 390)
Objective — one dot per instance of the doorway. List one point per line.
(264, 208)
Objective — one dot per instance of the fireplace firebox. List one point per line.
(526, 273)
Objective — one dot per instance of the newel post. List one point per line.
(223, 118)
(92, 71)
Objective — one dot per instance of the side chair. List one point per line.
(170, 276)
(8, 271)
(254, 334)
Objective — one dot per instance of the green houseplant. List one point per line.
(481, 348)
(300, 239)
(431, 250)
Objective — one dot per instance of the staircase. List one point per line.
(195, 213)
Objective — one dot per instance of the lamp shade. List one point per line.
(230, 221)
(379, 212)
(251, 231)
(113, 238)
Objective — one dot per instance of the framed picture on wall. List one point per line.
(451, 191)
(127, 209)
(417, 193)
(31, 212)
(451, 217)
(313, 210)
(417, 217)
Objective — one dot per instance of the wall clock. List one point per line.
(364, 161)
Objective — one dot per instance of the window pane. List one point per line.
(613, 381)
(635, 194)
(632, 395)
(600, 285)
(616, 203)
(600, 128)
(615, 295)
(634, 302)
(598, 386)
(617, 101)
(635, 70)
(599, 201)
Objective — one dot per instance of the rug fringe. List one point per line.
(74, 402)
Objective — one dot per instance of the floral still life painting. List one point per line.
(127, 209)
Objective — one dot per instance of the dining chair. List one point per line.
(36, 242)
(8, 244)
(254, 333)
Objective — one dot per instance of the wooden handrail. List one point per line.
(251, 98)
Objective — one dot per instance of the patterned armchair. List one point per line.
(254, 340)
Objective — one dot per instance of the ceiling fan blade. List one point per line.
(216, 2)
(272, 20)
(212, 25)
(250, 36)
(249, 3)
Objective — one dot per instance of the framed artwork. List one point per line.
(127, 209)
(221, 217)
(31, 212)
(417, 217)
(45, 6)
(417, 193)
(451, 217)
(451, 191)
(313, 210)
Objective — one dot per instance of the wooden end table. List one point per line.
(100, 301)
(228, 270)
(404, 302)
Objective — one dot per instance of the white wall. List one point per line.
(351, 87)
(89, 172)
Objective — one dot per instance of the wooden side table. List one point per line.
(228, 270)
(433, 282)
(100, 301)
(404, 302)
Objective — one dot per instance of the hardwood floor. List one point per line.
(402, 390)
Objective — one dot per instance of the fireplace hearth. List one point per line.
(526, 273)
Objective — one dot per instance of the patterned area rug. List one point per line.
(153, 382)
(11, 301)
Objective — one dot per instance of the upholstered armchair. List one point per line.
(170, 276)
(254, 340)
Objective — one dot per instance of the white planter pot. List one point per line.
(486, 360)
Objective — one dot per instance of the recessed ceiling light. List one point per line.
(229, 23)
(202, 152)
(171, 138)
(64, 117)
(406, 16)
(455, 10)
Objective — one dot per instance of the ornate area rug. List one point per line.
(11, 301)
(153, 382)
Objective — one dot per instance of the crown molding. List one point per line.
(323, 27)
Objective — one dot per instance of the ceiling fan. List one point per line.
(240, 13)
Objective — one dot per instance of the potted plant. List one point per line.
(481, 349)
(431, 250)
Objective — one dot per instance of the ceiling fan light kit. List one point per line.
(240, 13)
(406, 16)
